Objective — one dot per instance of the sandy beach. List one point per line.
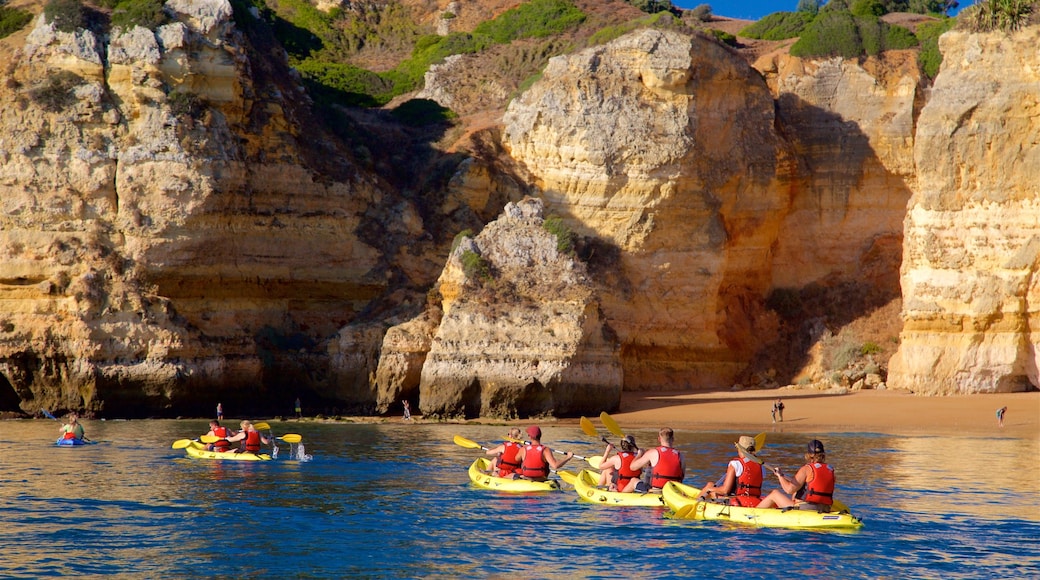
(811, 411)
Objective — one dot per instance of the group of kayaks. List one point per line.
(680, 499)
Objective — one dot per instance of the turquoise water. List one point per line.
(394, 501)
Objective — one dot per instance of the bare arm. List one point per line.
(496, 450)
(644, 460)
(551, 460)
(791, 486)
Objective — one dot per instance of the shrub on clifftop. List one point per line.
(12, 20)
(65, 15)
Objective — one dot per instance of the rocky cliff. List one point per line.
(971, 296)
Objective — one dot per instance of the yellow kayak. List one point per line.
(198, 451)
(585, 485)
(487, 481)
(682, 500)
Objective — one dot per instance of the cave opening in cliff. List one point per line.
(10, 402)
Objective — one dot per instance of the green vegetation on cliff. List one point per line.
(841, 33)
(779, 26)
(12, 20)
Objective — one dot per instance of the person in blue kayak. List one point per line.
(72, 429)
(536, 459)
(812, 487)
(250, 438)
(742, 480)
(216, 430)
(666, 461)
(505, 463)
(616, 471)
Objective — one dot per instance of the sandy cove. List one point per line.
(812, 411)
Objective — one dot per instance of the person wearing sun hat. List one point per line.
(536, 459)
(812, 487)
(616, 471)
(743, 479)
(505, 463)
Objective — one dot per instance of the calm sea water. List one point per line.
(394, 501)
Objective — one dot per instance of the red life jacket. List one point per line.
(749, 484)
(69, 435)
(253, 441)
(821, 488)
(223, 444)
(626, 473)
(534, 465)
(668, 468)
(507, 462)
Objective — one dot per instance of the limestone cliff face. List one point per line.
(520, 335)
(971, 296)
(167, 240)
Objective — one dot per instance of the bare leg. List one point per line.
(776, 498)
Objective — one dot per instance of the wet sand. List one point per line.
(812, 411)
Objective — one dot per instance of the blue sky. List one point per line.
(747, 9)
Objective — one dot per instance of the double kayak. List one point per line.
(488, 481)
(585, 485)
(682, 499)
(198, 451)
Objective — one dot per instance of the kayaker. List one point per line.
(667, 462)
(536, 459)
(812, 487)
(743, 478)
(72, 429)
(250, 437)
(616, 472)
(506, 463)
(216, 430)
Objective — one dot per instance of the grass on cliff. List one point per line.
(13, 19)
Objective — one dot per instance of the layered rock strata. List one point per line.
(971, 296)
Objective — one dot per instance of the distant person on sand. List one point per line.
(298, 408)
(220, 412)
(616, 471)
(778, 409)
(812, 487)
(505, 463)
(536, 459)
(1000, 416)
(742, 481)
(667, 462)
(407, 410)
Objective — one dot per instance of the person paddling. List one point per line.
(743, 477)
(72, 429)
(667, 461)
(616, 472)
(812, 487)
(250, 437)
(536, 459)
(506, 463)
(216, 430)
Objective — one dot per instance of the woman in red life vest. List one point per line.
(536, 459)
(505, 463)
(743, 477)
(617, 471)
(667, 462)
(250, 437)
(215, 430)
(812, 487)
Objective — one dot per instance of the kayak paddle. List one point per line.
(611, 424)
(567, 476)
(181, 443)
(463, 442)
(291, 438)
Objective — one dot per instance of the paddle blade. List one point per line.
(595, 461)
(181, 443)
(611, 424)
(291, 438)
(261, 427)
(588, 427)
(209, 438)
(463, 442)
(567, 476)
(839, 506)
(760, 441)
(685, 511)
(47, 414)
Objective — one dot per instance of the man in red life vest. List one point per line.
(505, 463)
(667, 462)
(536, 459)
(743, 478)
(250, 437)
(812, 487)
(216, 430)
(617, 470)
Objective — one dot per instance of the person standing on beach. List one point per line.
(407, 410)
(298, 407)
(812, 487)
(778, 409)
(743, 478)
(666, 461)
(536, 459)
(220, 412)
(1000, 416)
